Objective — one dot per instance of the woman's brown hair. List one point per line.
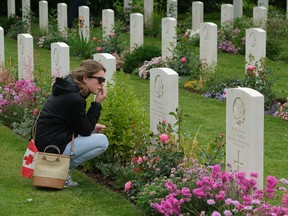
(86, 69)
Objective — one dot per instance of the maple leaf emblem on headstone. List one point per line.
(28, 159)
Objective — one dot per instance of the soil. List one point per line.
(100, 179)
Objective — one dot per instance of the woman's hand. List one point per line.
(99, 128)
(101, 96)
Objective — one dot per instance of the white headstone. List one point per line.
(238, 8)
(84, 23)
(260, 17)
(127, 6)
(109, 62)
(263, 3)
(245, 131)
(172, 8)
(43, 15)
(62, 18)
(60, 59)
(25, 56)
(169, 36)
(26, 14)
(148, 12)
(107, 22)
(136, 30)
(255, 45)
(208, 43)
(163, 96)
(227, 15)
(2, 48)
(287, 9)
(10, 8)
(197, 15)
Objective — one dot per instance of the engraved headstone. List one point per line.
(84, 23)
(136, 30)
(60, 59)
(172, 8)
(109, 62)
(208, 43)
(148, 12)
(238, 8)
(227, 15)
(260, 17)
(263, 3)
(10, 8)
(127, 6)
(62, 18)
(2, 48)
(43, 15)
(26, 14)
(169, 36)
(107, 22)
(255, 48)
(25, 56)
(163, 96)
(245, 132)
(197, 15)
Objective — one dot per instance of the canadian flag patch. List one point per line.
(29, 160)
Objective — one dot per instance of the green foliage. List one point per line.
(136, 58)
(257, 78)
(14, 26)
(125, 121)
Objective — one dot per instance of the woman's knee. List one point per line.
(102, 141)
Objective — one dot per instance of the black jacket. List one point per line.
(64, 113)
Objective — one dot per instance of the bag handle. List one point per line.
(34, 129)
(54, 147)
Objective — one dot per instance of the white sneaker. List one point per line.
(70, 183)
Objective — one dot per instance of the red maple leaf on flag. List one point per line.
(28, 159)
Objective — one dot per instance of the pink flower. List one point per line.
(164, 138)
(35, 112)
(99, 49)
(183, 59)
(250, 68)
(111, 35)
(254, 174)
(128, 186)
(94, 39)
(140, 160)
(211, 202)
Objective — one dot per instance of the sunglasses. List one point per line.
(100, 79)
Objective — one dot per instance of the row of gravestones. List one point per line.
(228, 12)
(244, 106)
(208, 31)
(255, 44)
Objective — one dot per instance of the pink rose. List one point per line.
(164, 138)
(250, 68)
(94, 39)
(128, 186)
(99, 49)
(183, 59)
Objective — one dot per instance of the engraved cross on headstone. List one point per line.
(237, 162)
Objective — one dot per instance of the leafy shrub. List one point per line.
(126, 123)
(136, 58)
(257, 77)
(17, 97)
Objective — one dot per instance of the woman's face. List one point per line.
(96, 82)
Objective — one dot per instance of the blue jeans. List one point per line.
(86, 148)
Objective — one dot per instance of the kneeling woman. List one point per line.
(64, 113)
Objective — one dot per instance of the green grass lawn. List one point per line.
(19, 197)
